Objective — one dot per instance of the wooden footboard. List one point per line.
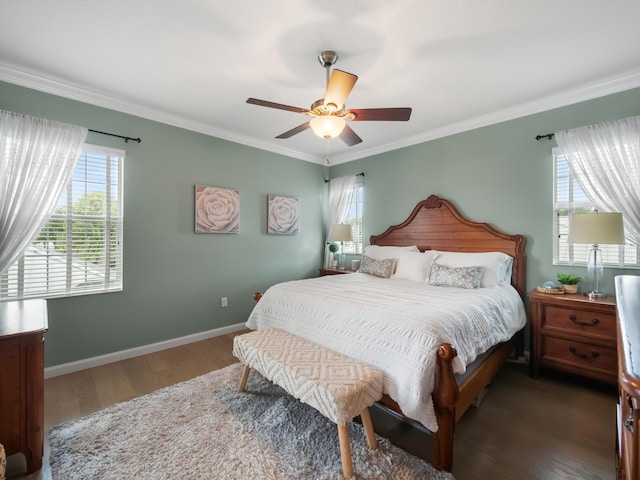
(452, 400)
(445, 396)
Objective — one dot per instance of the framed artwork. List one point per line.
(217, 210)
(282, 215)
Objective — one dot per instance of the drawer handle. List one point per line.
(628, 423)
(582, 355)
(593, 323)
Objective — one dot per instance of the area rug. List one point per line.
(204, 429)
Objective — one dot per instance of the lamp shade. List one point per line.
(341, 233)
(596, 228)
(327, 126)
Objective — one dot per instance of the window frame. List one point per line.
(614, 256)
(23, 280)
(354, 218)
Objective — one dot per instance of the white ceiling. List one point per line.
(459, 64)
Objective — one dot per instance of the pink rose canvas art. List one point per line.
(217, 210)
(282, 215)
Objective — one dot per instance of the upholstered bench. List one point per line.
(337, 386)
(3, 462)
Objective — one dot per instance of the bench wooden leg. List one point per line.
(368, 429)
(243, 379)
(345, 451)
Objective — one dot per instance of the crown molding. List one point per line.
(74, 92)
(588, 91)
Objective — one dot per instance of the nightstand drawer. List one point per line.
(580, 355)
(588, 322)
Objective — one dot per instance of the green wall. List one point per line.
(173, 278)
(498, 174)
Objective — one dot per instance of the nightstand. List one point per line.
(334, 271)
(572, 333)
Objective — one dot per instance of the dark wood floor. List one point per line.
(556, 427)
(553, 428)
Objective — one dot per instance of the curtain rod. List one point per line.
(357, 175)
(126, 139)
(548, 136)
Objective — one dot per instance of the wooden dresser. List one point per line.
(22, 328)
(628, 415)
(572, 333)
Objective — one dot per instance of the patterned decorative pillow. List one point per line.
(460, 277)
(497, 266)
(379, 268)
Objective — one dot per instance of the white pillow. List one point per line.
(497, 265)
(380, 252)
(414, 265)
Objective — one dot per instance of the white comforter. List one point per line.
(395, 325)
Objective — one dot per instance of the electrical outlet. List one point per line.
(223, 302)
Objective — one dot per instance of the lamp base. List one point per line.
(593, 295)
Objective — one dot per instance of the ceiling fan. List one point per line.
(329, 114)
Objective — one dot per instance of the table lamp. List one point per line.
(596, 228)
(341, 233)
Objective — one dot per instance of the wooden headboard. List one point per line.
(435, 224)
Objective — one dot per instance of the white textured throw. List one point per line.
(394, 325)
(337, 386)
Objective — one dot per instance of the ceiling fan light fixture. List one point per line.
(327, 126)
(329, 114)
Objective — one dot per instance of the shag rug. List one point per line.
(204, 429)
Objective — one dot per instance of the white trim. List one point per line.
(91, 362)
(599, 88)
(64, 89)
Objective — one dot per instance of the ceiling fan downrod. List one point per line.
(327, 59)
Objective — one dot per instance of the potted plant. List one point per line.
(333, 248)
(569, 282)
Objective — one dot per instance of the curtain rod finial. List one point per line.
(548, 136)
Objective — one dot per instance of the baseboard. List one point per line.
(91, 362)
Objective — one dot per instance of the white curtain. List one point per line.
(37, 159)
(605, 159)
(340, 196)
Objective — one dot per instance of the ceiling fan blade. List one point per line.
(294, 131)
(350, 137)
(339, 87)
(279, 106)
(382, 114)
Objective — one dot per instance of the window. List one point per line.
(568, 199)
(354, 218)
(79, 250)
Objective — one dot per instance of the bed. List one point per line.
(433, 371)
